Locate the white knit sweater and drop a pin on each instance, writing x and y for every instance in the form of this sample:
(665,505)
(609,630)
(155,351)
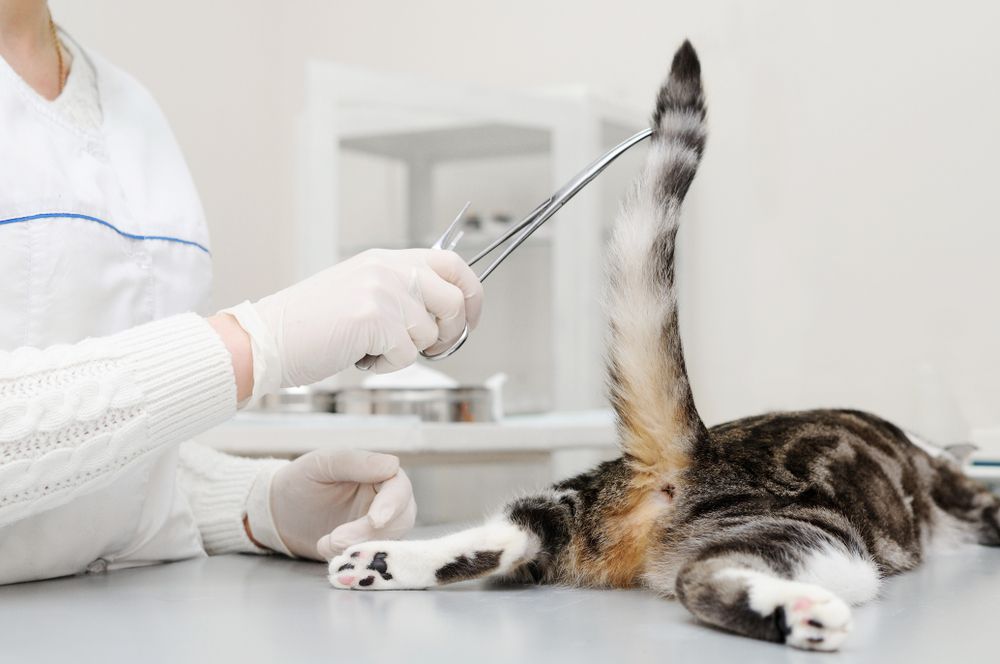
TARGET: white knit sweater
(72,417)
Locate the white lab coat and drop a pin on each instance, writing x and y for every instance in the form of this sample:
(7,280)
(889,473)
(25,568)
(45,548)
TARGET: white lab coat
(99,232)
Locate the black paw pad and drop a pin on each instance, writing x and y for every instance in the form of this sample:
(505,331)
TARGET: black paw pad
(345,566)
(367,581)
(781,623)
(379,565)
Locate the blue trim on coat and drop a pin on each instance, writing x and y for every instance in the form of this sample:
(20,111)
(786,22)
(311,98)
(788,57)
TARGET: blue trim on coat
(85,217)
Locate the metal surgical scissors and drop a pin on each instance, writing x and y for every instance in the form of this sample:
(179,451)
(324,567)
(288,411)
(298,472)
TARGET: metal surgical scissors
(520,231)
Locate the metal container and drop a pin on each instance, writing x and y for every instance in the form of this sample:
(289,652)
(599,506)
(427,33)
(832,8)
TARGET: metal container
(456,404)
(289,400)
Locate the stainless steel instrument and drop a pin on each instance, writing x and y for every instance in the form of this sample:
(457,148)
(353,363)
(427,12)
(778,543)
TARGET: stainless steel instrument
(522,230)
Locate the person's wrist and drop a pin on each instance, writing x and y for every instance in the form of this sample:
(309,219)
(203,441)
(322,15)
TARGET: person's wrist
(259,519)
(249,531)
(237,342)
(265,361)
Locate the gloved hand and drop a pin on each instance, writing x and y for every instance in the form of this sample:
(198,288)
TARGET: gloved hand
(325,501)
(392,304)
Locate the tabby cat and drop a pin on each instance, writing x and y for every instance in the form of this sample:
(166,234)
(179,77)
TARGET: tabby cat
(769,526)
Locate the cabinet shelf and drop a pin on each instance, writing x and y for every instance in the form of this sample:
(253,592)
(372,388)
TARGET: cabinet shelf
(474,141)
(467,246)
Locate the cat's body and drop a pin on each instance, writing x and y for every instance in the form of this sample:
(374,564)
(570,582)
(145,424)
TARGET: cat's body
(767,526)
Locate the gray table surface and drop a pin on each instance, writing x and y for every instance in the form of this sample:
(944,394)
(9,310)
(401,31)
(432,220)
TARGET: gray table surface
(256,609)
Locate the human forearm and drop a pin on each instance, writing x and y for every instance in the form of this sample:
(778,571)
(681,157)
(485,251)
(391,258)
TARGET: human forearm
(73,415)
(218,487)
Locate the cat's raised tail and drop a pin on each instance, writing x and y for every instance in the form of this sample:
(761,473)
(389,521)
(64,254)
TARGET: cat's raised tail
(657,418)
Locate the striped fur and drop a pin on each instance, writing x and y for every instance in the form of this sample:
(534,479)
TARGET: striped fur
(648,382)
(769,526)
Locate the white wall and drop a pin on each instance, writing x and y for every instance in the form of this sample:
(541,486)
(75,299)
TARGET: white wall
(846,215)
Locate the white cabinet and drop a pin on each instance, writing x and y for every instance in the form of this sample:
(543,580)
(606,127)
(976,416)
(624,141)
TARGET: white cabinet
(388,160)
(459,471)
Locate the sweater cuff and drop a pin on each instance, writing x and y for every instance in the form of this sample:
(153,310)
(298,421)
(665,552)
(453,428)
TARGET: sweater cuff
(185,373)
(259,515)
(218,486)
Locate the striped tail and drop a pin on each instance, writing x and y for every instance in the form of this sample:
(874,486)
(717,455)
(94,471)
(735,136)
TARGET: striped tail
(657,418)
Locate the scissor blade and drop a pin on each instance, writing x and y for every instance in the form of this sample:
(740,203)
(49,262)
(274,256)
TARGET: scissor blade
(509,233)
(584,177)
(541,214)
(446,241)
(523,230)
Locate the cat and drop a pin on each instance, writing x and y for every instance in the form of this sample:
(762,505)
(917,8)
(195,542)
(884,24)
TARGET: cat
(769,526)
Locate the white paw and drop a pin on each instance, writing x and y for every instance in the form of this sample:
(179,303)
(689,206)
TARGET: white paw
(810,616)
(816,619)
(363,567)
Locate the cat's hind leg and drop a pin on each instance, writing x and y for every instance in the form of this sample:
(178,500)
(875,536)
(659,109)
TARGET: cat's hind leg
(522,542)
(778,583)
(971,511)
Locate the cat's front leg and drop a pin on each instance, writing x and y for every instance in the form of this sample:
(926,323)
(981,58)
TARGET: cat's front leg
(494,548)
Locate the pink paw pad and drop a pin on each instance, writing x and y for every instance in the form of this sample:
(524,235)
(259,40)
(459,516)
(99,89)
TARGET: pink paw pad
(802,604)
(345,580)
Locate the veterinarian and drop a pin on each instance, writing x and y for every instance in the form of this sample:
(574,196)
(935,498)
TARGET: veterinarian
(102,235)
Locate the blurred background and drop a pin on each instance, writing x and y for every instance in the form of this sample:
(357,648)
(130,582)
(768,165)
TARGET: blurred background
(841,241)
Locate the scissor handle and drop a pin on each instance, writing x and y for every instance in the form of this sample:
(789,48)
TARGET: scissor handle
(368,361)
(448,240)
(445,353)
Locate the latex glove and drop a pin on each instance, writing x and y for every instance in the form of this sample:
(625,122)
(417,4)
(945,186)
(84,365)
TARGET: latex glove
(325,501)
(391,304)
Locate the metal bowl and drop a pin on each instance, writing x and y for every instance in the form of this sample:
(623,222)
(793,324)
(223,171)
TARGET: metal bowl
(288,400)
(456,404)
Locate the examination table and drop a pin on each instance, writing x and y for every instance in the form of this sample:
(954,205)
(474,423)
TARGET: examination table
(266,609)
